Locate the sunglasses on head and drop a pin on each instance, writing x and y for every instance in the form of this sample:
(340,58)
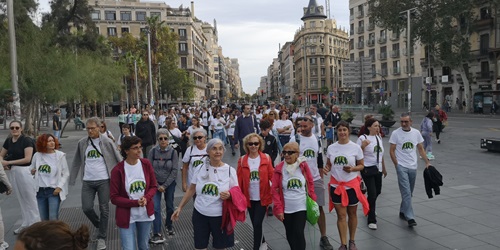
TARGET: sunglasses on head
(304,119)
(253,144)
(289,152)
(198,137)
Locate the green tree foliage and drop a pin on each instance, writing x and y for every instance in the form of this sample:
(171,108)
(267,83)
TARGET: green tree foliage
(444,27)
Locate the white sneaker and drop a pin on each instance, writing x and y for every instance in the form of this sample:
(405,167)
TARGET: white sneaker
(4,245)
(101,244)
(18,231)
(372,226)
(430,157)
(263,246)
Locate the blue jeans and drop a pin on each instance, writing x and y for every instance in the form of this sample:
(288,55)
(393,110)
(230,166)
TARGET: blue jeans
(48,203)
(219,133)
(57,134)
(427,142)
(136,236)
(406,182)
(169,201)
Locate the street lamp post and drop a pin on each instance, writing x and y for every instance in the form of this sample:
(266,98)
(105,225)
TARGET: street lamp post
(159,82)
(13,61)
(409,48)
(307,74)
(149,66)
(136,85)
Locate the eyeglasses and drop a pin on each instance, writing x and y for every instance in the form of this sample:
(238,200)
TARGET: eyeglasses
(198,137)
(162,138)
(289,152)
(15,128)
(253,143)
(145,115)
(405,121)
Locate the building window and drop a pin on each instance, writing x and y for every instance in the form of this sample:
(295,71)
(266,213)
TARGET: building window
(183,47)
(125,30)
(182,32)
(96,15)
(154,14)
(184,62)
(485,69)
(484,44)
(125,15)
(110,15)
(312,60)
(313,24)
(111,31)
(323,71)
(140,16)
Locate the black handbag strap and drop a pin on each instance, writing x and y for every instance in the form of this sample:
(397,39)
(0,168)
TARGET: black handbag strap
(378,149)
(93,145)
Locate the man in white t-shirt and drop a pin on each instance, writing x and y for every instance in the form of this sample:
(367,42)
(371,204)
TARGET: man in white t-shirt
(95,155)
(272,108)
(404,144)
(310,148)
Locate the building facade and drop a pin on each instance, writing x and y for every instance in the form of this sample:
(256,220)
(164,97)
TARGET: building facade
(388,53)
(319,48)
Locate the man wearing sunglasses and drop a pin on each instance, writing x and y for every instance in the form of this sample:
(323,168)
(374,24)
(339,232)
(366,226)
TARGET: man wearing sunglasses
(404,144)
(310,148)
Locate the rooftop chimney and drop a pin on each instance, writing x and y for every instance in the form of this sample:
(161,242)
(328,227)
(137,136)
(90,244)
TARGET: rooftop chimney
(192,10)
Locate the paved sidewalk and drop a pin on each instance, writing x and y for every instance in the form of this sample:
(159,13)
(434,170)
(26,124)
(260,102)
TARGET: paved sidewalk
(465,216)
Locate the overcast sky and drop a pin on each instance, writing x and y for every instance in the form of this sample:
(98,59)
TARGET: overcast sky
(251,30)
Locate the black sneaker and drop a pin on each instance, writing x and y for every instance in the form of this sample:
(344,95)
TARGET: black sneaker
(402,216)
(157,239)
(270,211)
(171,232)
(324,243)
(412,223)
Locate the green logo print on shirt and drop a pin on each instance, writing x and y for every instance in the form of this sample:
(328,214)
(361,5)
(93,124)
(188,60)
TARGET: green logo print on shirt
(210,189)
(309,153)
(197,163)
(137,186)
(294,183)
(408,145)
(93,154)
(377,149)
(254,176)
(340,160)
(44,169)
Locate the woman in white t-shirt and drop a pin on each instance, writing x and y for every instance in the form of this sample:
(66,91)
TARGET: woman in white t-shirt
(103,128)
(211,185)
(51,172)
(284,127)
(230,125)
(195,124)
(132,188)
(171,125)
(373,151)
(217,125)
(344,159)
(194,156)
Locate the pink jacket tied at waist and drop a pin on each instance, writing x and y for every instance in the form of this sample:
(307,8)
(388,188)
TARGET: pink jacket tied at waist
(233,210)
(342,192)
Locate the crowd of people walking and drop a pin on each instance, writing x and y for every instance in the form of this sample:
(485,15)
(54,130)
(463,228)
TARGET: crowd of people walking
(138,168)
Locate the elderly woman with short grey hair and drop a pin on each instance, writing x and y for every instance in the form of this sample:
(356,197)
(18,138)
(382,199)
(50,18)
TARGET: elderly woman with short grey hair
(211,185)
(165,163)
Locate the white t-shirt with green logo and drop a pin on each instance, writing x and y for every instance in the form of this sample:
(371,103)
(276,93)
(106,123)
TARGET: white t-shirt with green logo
(254,178)
(196,161)
(209,184)
(294,190)
(95,167)
(47,167)
(135,184)
(309,148)
(341,155)
(406,146)
(370,151)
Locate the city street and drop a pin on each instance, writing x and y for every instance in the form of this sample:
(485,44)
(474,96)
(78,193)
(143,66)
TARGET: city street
(464,216)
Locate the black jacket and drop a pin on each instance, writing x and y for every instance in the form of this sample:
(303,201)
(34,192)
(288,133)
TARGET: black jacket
(271,146)
(146,130)
(433,180)
(333,118)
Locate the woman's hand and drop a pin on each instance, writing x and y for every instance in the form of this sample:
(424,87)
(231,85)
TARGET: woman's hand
(9,192)
(348,169)
(225,195)
(161,189)
(175,215)
(5,165)
(365,143)
(142,201)
(384,172)
(33,171)
(57,191)
(281,217)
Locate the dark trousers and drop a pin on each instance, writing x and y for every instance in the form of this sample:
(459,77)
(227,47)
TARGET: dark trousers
(206,129)
(257,214)
(438,126)
(242,148)
(373,189)
(120,124)
(89,190)
(294,227)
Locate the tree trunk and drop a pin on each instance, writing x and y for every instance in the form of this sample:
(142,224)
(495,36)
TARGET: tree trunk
(29,127)
(467,93)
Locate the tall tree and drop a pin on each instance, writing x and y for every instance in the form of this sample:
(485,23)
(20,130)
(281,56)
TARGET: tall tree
(444,27)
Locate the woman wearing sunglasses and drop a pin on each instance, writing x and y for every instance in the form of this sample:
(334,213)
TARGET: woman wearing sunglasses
(193,158)
(165,162)
(15,156)
(103,129)
(254,174)
(292,180)
(344,161)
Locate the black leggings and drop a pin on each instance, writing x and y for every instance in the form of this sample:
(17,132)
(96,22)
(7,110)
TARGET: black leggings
(373,189)
(294,227)
(257,213)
